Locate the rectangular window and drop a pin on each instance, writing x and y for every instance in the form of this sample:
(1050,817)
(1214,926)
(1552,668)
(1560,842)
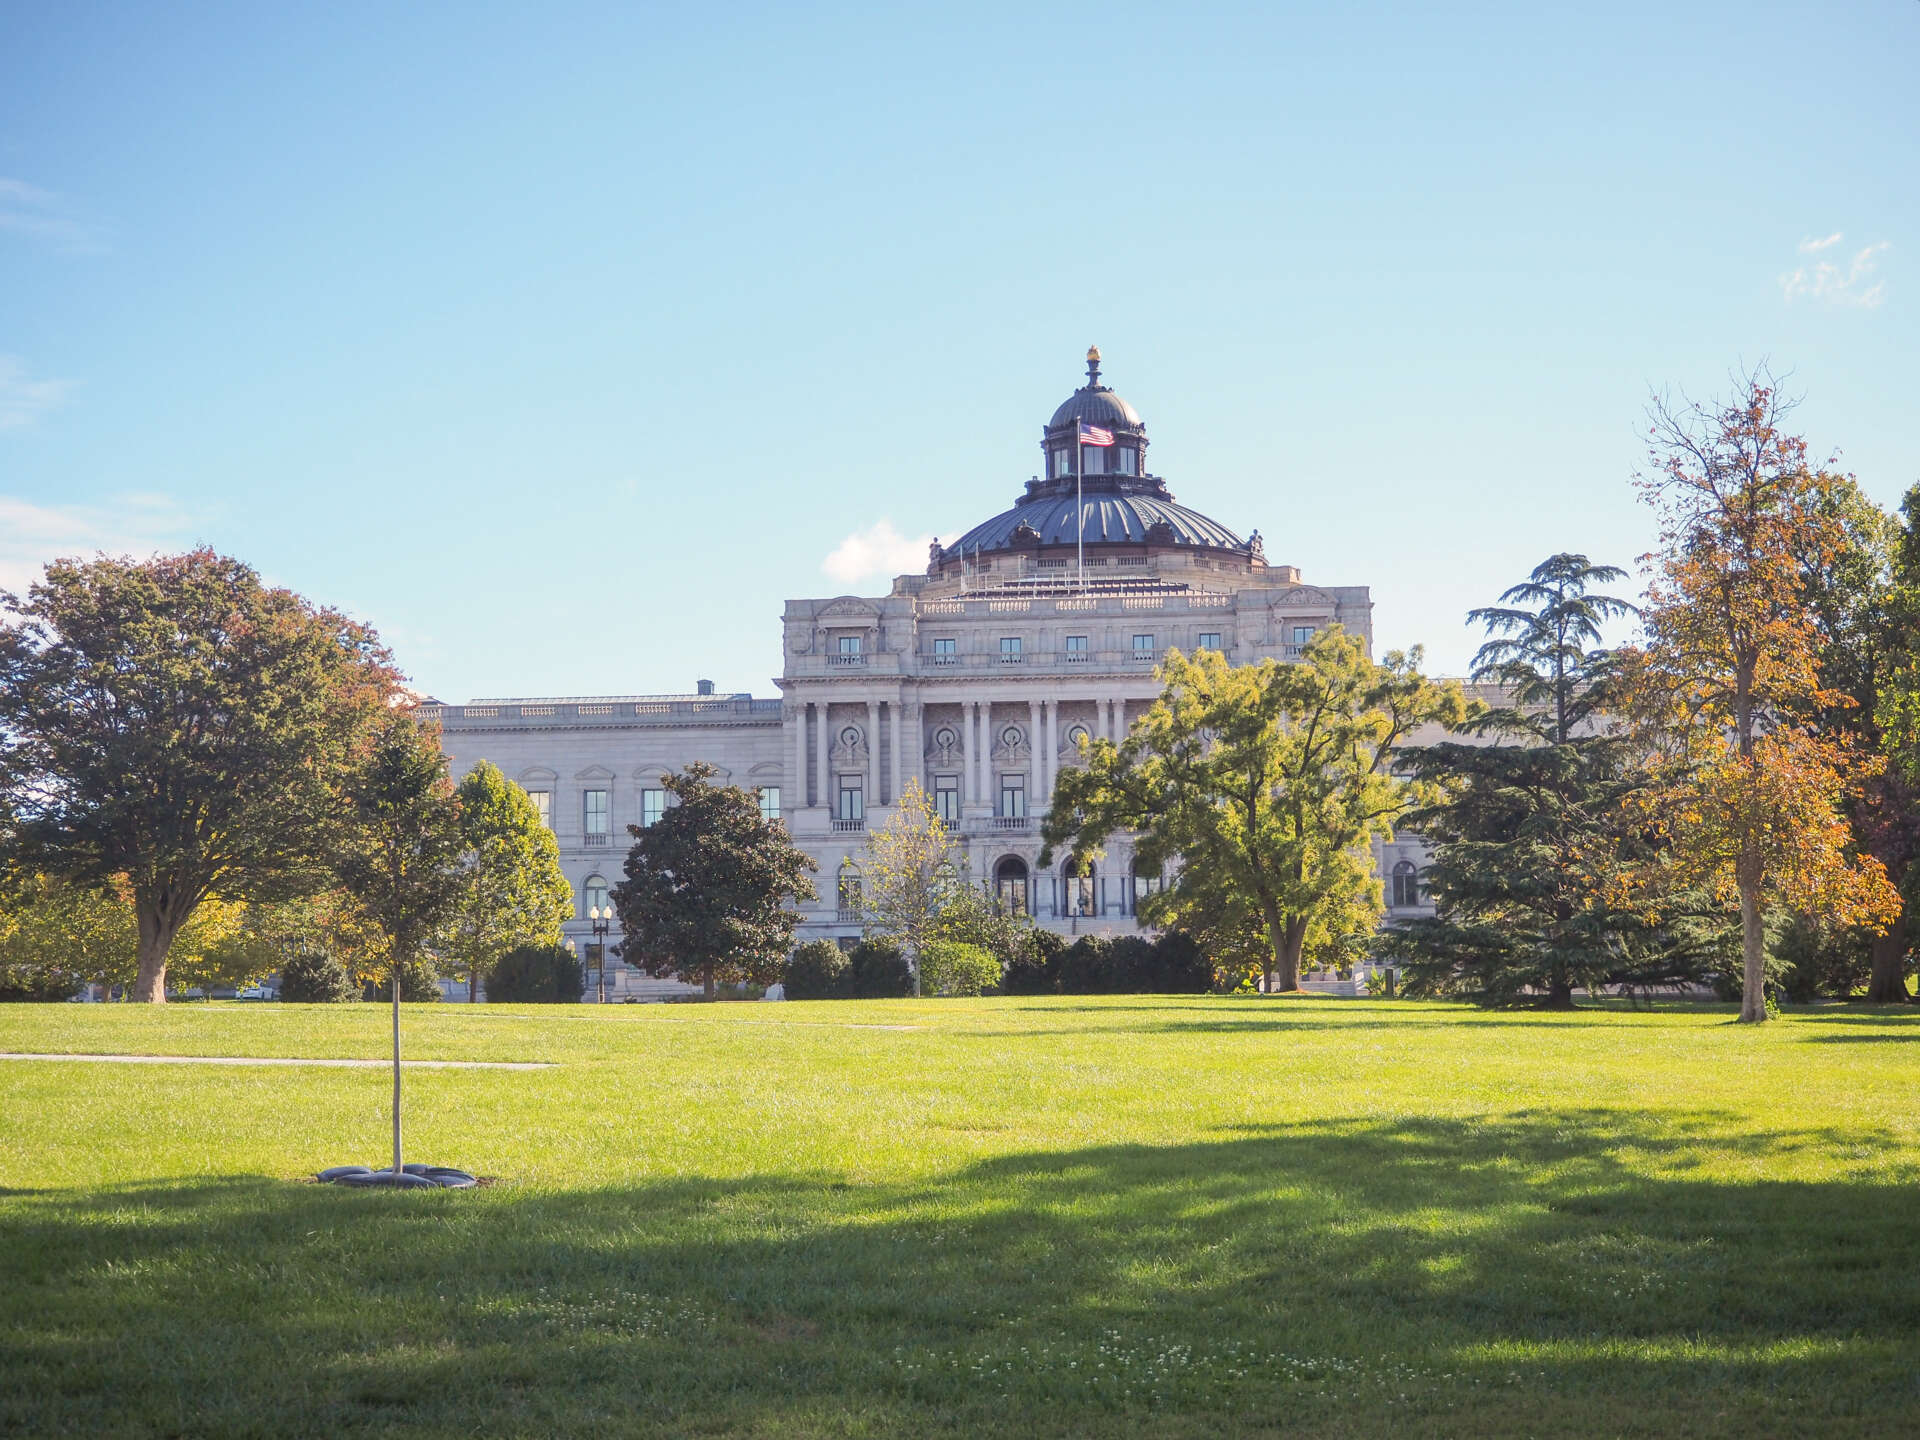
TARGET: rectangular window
(849,644)
(1009,644)
(852,802)
(945,651)
(946,797)
(1062,463)
(1302,634)
(1013,796)
(543,803)
(1125,459)
(1209,639)
(594,810)
(1142,645)
(1076,645)
(1096,457)
(653,804)
(769,802)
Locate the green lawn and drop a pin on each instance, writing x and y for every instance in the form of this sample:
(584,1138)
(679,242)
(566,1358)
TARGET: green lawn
(1182,1216)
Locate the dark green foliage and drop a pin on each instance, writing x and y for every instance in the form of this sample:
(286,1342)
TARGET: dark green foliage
(314,977)
(1173,964)
(1035,969)
(38,983)
(708,888)
(419,982)
(878,971)
(1530,841)
(818,970)
(537,975)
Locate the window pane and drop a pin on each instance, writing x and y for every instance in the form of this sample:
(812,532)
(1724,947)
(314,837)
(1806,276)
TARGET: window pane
(849,644)
(1209,639)
(1302,634)
(946,797)
(852,803)
(943,647)
(543,803)
(1013,796)
(653,804)
(1142,643)
(1076,644)
(769,803)
(596,812)
(1009,644)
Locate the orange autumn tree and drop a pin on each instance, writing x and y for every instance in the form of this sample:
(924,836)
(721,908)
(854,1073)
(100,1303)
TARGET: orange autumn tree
(1728,682)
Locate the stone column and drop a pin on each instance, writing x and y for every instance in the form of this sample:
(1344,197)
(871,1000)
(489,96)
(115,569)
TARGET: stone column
(893,723)
(873,752)
(1050,724)
(821,742)
(984,781)
(799,797)
(1034,753)
(969,749)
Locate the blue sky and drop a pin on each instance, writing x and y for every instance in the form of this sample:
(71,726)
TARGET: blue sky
(565,342)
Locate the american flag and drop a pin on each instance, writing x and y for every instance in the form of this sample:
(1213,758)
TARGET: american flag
(1094,435)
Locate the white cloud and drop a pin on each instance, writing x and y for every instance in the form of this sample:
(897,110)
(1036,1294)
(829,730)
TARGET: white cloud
(879,551)
(1858,283)
(31,535)
(22,401)
(42,215)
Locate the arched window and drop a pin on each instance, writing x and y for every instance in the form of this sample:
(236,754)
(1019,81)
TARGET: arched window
(1406,885)
(1081,892)
(849,890)
(1010,883)
(593,896)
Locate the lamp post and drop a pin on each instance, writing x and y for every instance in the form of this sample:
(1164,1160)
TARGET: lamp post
(601,918)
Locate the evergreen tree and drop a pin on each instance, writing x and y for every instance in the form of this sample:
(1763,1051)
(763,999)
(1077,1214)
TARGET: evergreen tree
(1528,845)
(708,887)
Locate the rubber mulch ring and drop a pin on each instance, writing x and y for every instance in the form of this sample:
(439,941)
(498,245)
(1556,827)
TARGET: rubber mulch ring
(411,1177)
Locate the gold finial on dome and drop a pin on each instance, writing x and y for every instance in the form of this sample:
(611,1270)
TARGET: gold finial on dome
(1093,365)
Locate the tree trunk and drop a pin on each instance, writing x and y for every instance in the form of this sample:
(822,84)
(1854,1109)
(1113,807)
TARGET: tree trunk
(1889,984)
(1559,994)
(156,939)
(706,977)
(1286,953)
(1753,943)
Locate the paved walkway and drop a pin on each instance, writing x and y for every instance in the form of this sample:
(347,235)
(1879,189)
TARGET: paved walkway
(251,1060)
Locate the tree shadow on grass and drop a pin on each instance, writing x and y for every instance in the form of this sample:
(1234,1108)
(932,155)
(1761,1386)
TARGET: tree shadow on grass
(1543,1273)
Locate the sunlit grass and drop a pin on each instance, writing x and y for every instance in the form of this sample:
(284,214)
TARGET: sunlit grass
(1133,1216)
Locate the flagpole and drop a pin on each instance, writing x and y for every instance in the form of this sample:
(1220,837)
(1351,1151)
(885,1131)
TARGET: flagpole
(1080,504)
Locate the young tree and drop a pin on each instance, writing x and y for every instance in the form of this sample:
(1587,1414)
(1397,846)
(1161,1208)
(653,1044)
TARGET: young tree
(402,857)
(178,723)
(1530,844)
(1730,676)
(709,885)
(910,876)
(1270,779)
(516,894)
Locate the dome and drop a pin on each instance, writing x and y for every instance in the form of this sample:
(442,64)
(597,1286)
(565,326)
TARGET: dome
(1110,519)
(1096,403)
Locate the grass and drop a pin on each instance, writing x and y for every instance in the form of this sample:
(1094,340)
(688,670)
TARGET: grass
(1167,1217)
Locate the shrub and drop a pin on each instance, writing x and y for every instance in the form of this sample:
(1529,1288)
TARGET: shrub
(950,968)
(879,971)
(418,982)
(315,977)
(38,982)
(1174,964)
(1034,967)
(818,970)
(536,975)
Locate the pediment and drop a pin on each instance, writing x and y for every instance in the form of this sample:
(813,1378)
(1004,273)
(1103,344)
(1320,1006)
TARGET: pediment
(536,775)
(594,772)
(1304,597)
(848,607)
(767,770)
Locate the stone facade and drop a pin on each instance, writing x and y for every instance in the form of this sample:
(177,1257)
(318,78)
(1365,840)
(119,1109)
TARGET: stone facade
(979,678)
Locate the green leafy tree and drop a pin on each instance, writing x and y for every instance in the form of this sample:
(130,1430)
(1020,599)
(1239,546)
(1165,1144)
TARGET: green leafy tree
(1531,848)
(948,967)
(56,937)
(516,894)
(818,971)
(709,887)
(910,876)
(1271,780)
(402,858)
(177,723)
(314,977)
